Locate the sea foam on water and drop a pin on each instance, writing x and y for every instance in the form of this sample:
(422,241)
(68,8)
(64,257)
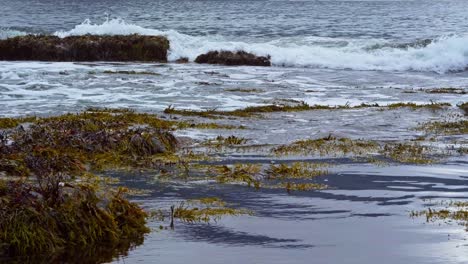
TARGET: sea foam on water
(442,55)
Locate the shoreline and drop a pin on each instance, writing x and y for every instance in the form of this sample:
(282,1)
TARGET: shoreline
(316,158)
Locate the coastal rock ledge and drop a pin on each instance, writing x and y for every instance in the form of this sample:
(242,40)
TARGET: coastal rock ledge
(231,58)
(85,48)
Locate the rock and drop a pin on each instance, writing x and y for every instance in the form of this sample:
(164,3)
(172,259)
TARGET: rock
(231,58)
(182,60)
(146,144)
(85,48)
(157,146)
(464,108)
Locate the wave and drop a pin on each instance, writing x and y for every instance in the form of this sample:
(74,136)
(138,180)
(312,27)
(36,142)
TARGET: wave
(9,33)
(442,55)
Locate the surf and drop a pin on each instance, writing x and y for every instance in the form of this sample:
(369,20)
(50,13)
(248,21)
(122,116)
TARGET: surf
(442,55)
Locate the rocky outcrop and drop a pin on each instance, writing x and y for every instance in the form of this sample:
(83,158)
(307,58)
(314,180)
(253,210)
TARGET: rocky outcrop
(182,60)
(85,48)
(464,107)
(233,58)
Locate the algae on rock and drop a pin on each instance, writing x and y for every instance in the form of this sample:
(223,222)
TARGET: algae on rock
(85,48)
(51,201)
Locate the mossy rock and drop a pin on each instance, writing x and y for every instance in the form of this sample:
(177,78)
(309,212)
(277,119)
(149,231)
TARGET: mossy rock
(58,203)
(82,217)
(233,58)
(464,107)
(85,48)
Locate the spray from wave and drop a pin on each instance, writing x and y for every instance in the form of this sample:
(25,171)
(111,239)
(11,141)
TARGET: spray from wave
(9,33)
(441,55)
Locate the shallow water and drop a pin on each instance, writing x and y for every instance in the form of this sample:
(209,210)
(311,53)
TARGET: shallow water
(363,218)
(52,88)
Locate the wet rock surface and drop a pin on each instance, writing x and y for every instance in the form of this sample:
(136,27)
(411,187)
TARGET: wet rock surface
(182,60)
(85,48)
(233,58)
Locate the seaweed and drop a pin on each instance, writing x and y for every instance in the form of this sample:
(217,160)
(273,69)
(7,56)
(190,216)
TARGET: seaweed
(453,211)
(414,106)
(328,146)
(244,173)
(244,90)
(132,72)
(297,170)
(446,127)
(50,167)
(284,176)
(293,186)
(464,107)
(52,201)
(80,216)
(7,123)
(227,141)
(246,112)
(233,58)
(209,201)
(407,153)
(205,212)
(446,91)
(331,146)
(85,48)
(297,106)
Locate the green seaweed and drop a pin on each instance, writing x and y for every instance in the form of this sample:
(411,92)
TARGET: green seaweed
(293,186)
(414,106)
(328,146)
(297,106)
(297,170)
(331,146)
(79,217)
(7,123)
(244,90)
(58,203)
(446,128)
(453,211)
(227,141)
(243,173)
(407,153)
(208,209)
(85,48)
(464,107)
(448,90)
(132,72)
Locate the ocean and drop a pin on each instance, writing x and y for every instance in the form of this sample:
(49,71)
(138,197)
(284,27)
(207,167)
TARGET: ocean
(334,53)
(337,44)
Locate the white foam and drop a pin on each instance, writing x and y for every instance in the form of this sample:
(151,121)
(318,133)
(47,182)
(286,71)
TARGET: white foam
(9,33)
(442,55)
(9,75)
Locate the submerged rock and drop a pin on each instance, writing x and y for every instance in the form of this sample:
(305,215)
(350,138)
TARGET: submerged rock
(231,58)
(182,60)
(85,48)
(464,107)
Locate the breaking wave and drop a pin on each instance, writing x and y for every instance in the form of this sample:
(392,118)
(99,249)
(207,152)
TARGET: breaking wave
(444,54)
(9,33)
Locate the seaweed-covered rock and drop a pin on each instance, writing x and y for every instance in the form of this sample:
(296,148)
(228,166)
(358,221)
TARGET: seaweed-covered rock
(464,107)
(146,144)
(85,48)
(233,58)
(182,60)
(58,205)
